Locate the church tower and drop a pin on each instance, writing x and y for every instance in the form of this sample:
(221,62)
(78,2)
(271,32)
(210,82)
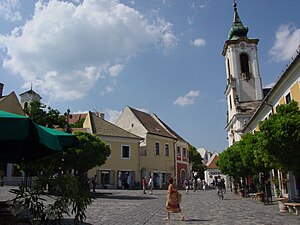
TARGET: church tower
(244,89)
(29,96)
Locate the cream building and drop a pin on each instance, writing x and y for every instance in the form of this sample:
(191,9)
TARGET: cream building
(122,167)
(160,148)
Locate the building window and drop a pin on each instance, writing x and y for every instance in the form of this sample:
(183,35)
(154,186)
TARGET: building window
(230,103)
(228,69)
(244,60)
(157,148)
(167,150)
(25,105)
(288,98)
(125,152)
(178,151)
(105,177)
(184,152)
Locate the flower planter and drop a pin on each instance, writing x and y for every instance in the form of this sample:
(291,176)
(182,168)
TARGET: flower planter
(242,193)
(260,197)
(282,206)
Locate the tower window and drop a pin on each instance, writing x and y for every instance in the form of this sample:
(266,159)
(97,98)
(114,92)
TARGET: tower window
(244,60)
(288,98)
(25,105)
(228,70)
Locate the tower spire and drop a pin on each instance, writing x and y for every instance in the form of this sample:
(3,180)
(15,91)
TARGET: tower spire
(237,29)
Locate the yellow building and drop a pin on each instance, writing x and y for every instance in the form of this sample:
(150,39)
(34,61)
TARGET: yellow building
(10,102)
(122,168)
(157,155)
(287,88)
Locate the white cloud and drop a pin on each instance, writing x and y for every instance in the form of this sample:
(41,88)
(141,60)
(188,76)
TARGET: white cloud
(199,42)
(188,99)
(270,85)
(65,48)
(115,70)
(112,115)
(286,43)
(109,88)
(9,10)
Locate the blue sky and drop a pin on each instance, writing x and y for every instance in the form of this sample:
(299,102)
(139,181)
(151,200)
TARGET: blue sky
(159,56)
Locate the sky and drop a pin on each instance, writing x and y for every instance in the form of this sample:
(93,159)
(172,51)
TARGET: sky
(158,56)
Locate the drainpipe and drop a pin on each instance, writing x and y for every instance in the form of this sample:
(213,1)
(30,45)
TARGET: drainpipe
(175,163)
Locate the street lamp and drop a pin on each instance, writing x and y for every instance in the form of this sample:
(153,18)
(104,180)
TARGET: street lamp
(68,117)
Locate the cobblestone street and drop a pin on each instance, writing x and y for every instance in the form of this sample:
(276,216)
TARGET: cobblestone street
(127,207)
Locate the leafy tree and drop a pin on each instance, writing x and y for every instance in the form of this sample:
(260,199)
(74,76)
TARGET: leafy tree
(78,124)
(55,170)
(88,153)
(45,116)
(196,160)
(281,137)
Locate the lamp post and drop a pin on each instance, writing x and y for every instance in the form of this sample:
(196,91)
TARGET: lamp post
(68,117)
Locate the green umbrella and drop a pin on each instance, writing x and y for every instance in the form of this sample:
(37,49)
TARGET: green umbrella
(23,140)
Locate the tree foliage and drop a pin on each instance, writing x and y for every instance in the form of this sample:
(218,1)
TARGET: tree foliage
(70,188)
(275,145)
(45,116)
(281,135)
(88,153)
(196,160)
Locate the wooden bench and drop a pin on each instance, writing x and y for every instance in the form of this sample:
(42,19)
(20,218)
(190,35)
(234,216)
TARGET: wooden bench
(293,207)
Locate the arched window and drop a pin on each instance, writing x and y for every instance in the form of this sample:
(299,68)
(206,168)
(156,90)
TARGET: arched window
(182,175)
(25,105)
(245,70)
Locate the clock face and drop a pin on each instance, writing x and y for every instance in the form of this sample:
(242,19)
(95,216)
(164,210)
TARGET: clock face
(243,45)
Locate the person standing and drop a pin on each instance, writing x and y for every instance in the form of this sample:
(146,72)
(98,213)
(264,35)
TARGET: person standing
(194,184)
(172,203)
(186,185)
(150,185)
(144,184)
(94,182)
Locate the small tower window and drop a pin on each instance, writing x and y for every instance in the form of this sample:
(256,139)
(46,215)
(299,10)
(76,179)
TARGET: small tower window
(25,105)
(228,70)
(244,60)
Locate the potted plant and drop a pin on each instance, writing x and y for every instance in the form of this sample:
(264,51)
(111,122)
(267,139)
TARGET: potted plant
(280,199)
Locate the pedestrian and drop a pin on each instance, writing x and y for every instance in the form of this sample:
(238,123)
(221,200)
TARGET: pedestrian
(144,185)
(150,185)
(186,185)
(172,203)
(94,182)
(194,184)
(203,184)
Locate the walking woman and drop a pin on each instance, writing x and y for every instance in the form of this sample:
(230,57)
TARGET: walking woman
(172,204)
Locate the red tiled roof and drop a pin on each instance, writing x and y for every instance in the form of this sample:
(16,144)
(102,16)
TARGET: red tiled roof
(76,117)
(213,163)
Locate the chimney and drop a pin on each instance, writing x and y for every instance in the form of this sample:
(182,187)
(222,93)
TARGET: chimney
(1,89)
(101,115)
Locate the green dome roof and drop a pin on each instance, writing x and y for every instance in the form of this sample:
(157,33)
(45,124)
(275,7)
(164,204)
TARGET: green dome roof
(237,29)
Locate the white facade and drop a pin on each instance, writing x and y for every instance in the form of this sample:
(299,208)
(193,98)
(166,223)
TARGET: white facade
(244,88)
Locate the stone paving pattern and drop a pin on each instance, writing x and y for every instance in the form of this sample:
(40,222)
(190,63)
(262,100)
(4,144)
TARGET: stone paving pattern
(132,207)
